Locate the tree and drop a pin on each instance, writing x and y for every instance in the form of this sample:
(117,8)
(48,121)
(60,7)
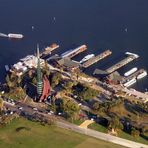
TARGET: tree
(87,93)
(46,70)
(115,124)
(56,78)
(70,108)
(134,132)
(1,103)
(68,86)
(96,106)
(34,81)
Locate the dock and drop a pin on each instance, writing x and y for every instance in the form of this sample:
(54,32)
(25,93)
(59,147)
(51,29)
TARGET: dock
(49,49)
(73,52)
(96,58)
(120,64)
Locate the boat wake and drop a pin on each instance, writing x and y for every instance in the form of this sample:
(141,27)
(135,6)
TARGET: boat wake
(3,35)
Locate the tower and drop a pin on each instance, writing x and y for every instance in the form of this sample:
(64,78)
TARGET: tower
(39,74)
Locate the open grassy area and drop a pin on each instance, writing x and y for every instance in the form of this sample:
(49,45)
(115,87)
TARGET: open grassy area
(98,127)
(77,122)
(22,133)
(122,134)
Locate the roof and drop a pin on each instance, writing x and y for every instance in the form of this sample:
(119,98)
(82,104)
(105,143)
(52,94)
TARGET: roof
(67,62)
(115,76)
(99,72)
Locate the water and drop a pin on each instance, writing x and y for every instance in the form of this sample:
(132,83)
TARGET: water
(101,24)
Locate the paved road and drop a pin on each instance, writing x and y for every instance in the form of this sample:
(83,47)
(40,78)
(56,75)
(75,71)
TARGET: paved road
(100,135)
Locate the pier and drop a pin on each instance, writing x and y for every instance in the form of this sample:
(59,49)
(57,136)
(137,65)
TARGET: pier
(49,49)
(96,58)
(73,52)
(121,63)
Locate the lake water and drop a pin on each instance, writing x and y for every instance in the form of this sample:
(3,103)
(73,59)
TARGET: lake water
(100,24)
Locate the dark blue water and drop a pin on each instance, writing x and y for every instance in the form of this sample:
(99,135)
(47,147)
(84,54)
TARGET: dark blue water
(98,23)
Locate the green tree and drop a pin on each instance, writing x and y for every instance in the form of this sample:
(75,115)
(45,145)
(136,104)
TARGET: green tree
(56,78)
(68,86)
(46,69)
(96,106)
(70,108)
(134,132)
(115,124)
(87,93)
(1,103)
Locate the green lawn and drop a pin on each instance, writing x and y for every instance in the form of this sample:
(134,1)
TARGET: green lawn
(122,134)
(33,135)
(98,127)
(77,122)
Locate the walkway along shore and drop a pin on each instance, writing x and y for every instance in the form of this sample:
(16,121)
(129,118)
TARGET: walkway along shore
(99,135)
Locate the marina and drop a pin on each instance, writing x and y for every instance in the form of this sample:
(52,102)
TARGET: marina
(96,58)
(122,63)
(130,80)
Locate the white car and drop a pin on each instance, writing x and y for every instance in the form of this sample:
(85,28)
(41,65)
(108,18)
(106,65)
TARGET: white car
(35,109)
(59,113)
(80,104)
(20,108)
(11,112)
(51,112)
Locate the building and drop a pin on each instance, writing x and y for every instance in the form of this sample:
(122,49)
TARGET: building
(43,84)
(68,64)
(39,75)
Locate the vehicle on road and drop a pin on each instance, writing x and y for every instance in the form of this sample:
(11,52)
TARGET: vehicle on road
(35,109)
(20,108)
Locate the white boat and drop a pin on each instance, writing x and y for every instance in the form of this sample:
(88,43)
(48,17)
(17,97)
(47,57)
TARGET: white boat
(142,75)
(132,54)
(7,67)
(16,36)
(130,82)
(130,71)
(89,56)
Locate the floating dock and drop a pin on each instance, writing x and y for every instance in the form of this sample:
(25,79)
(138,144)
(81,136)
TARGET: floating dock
(122,63)
(49,49)
(96,58)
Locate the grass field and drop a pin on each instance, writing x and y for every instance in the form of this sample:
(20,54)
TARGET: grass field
(22,133)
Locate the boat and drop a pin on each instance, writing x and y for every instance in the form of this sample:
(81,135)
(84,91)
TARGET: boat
(130,82)
(132,54)
(142,75)
(130,71)
(89,56)
(7,67)
(15,36)
(73,52)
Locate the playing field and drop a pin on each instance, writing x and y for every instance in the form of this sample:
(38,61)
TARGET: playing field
(22,133)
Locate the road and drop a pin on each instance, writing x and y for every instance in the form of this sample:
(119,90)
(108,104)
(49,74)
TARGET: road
(100,135)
